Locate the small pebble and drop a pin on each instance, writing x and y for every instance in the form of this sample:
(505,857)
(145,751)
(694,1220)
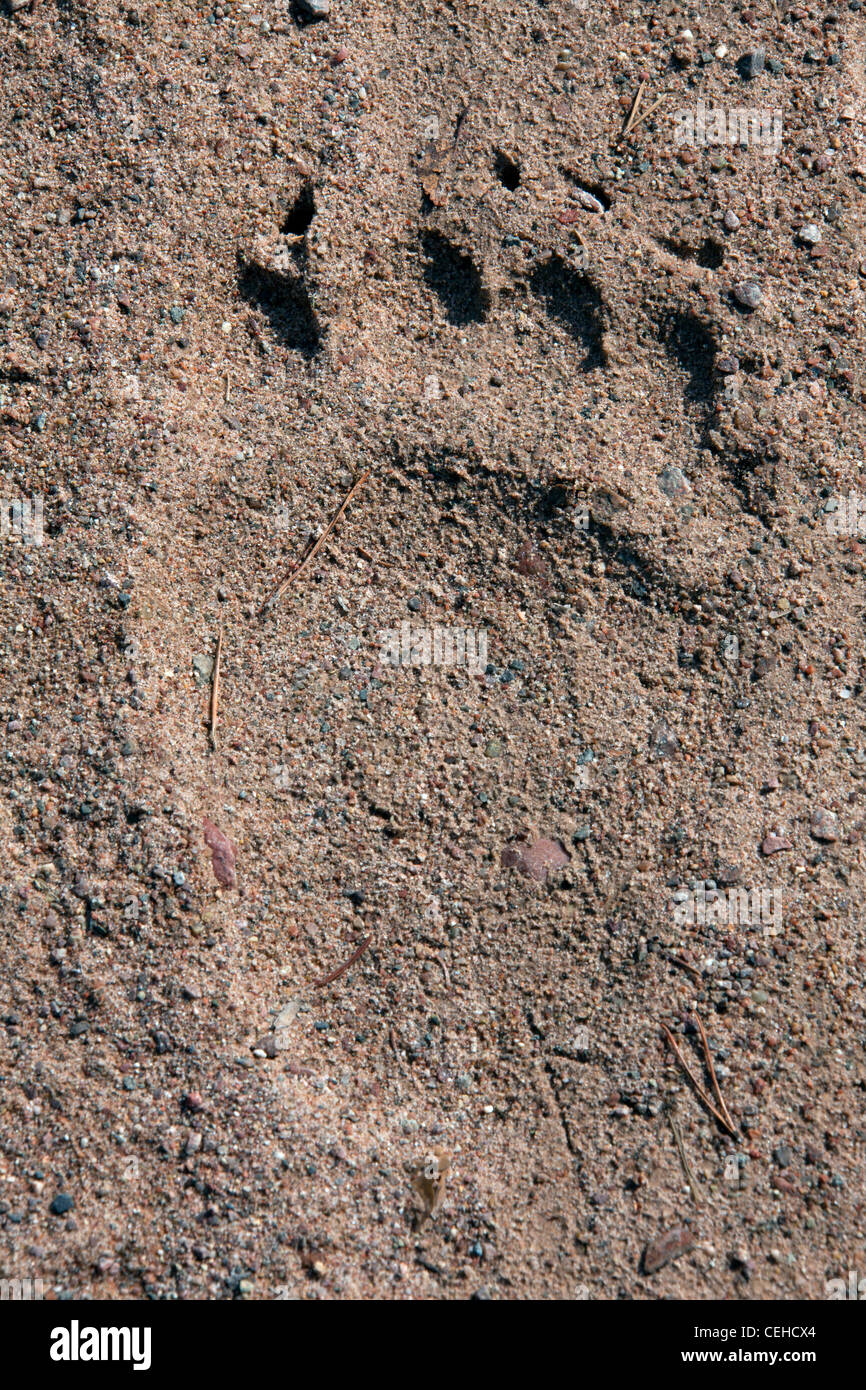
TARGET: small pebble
(748,294)
(666,1247)
(536,860)
(825,825)
(774,844)
(673,482)
(752,64)
(202,666)
(810,235)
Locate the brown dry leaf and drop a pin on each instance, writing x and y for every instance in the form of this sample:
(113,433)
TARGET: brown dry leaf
(223,854)
(429,1179)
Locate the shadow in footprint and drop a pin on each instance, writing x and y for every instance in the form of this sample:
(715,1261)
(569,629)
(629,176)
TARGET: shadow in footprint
(691,345)
(710,254)
(284,301)
(751,474)
(455,279)
(301,213)
(587,185)
(507,170)
(573,299)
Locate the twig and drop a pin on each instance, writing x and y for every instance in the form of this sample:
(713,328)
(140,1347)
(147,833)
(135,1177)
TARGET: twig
(215,690)
(725,1122)
(683,964)
(632,111)
(645,115)
(697,1191)
(228,386)
(341,969)
(711,1069)
(461,121)
(294,573)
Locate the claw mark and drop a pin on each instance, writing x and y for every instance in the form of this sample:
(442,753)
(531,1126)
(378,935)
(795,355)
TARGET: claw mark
(583,185)
(507,170)
(301,213)
(709,255)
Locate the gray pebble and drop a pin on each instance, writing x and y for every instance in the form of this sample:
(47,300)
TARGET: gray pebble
(748,294)
(673,482)
(810,235)
(202,666)
(824,825)
(751,64)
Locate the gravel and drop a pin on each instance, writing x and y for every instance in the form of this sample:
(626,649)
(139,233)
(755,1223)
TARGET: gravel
(635,520)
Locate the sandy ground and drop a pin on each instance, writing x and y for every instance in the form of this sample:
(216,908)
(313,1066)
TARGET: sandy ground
(607,393)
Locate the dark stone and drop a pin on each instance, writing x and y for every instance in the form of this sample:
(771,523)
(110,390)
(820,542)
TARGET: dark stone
(752,64)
